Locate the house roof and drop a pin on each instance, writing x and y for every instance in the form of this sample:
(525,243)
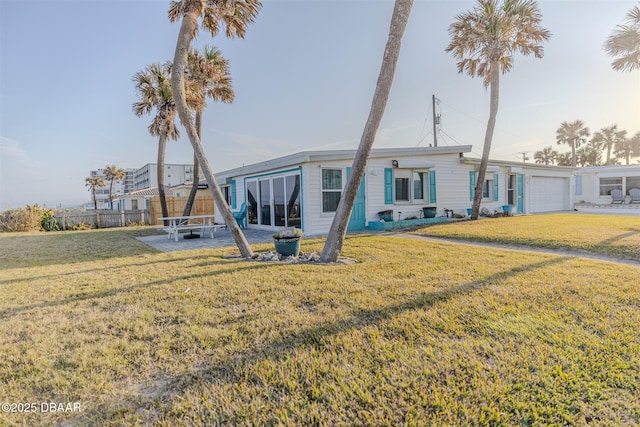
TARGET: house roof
(188,184)
(148,192)
(329,155)
(476,161)
(612,168)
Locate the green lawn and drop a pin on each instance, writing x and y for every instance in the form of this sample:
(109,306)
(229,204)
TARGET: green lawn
(415,333)
(604,234)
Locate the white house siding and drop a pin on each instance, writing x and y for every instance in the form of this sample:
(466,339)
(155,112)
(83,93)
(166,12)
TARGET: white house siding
(545,188)
(590,177)
(314,220)
(452,187)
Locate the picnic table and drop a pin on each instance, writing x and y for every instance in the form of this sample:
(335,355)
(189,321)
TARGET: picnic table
(191,223)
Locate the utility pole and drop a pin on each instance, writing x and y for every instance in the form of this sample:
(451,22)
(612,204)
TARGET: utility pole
(435,135)
(524,156)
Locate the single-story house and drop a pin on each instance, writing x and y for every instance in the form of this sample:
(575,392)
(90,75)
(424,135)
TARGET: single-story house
(595,183)
(139,199)
(303,189)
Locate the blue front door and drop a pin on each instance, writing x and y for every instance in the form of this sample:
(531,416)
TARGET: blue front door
(358,213)
(520,193)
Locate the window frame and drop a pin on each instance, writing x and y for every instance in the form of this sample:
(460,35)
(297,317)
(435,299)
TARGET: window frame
(632,182)
(324,190)
(408,174)
(609,186)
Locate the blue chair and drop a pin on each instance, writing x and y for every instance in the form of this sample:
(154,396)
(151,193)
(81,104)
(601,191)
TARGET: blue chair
(241,215)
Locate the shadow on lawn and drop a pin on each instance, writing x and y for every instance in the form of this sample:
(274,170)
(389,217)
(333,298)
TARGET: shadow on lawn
(233,369)
(4,314)
(214,260)
(610,240)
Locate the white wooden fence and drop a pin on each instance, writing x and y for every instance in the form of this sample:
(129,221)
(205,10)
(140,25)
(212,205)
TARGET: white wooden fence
(103,218)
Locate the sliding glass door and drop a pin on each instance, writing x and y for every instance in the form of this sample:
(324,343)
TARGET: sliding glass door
(275,200)
(293,212)
(265,202)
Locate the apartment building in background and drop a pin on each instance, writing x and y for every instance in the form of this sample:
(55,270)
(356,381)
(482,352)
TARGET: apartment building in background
(174,174)
(140,179)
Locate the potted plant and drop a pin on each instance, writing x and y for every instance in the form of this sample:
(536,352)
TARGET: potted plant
(287,241)
(429,211)
(386,215)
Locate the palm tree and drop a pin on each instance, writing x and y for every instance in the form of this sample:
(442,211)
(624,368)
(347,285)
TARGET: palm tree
(565,159)
(634,143)
(546,156)
(234,15)
(210,75)
(335,238)
(573,134)
(94,182)
(112,173)
(485,41)
(609,138)
(153,86)
(628,148)
(588,155)
(624,43)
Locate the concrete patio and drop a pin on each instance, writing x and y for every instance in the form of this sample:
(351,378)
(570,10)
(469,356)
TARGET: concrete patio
(222,238)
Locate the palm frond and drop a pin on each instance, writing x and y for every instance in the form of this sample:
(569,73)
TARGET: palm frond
(624,43)
(233,15)
(492,32)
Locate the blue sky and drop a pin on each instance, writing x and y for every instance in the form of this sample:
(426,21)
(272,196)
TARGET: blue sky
(304,78)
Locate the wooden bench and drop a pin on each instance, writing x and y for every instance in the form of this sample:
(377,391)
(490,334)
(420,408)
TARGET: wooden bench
(197,222)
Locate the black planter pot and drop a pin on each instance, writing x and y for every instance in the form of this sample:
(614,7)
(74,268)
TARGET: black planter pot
(429,212)
(288,246)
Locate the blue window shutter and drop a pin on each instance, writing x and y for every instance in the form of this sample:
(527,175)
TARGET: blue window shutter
(388,186)
(472,184)
(578,185)
(233,194)
(432,186)
(495,186)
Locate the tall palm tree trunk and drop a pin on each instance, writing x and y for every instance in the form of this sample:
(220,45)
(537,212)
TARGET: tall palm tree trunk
(162,145)
(95,198)
(188,28)
(196,171)
(491,124)
(111,194)
(335,239)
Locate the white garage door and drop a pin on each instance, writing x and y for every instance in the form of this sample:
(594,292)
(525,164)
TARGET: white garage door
(549,194)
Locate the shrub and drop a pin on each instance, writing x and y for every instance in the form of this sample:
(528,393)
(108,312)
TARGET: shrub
(28,218)
(80,226)
(49,222)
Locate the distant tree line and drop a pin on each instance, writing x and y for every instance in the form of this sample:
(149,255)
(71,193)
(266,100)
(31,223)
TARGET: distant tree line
(608,146)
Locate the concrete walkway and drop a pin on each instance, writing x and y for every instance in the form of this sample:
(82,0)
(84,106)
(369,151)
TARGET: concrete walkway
(574,253)
(221,239)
